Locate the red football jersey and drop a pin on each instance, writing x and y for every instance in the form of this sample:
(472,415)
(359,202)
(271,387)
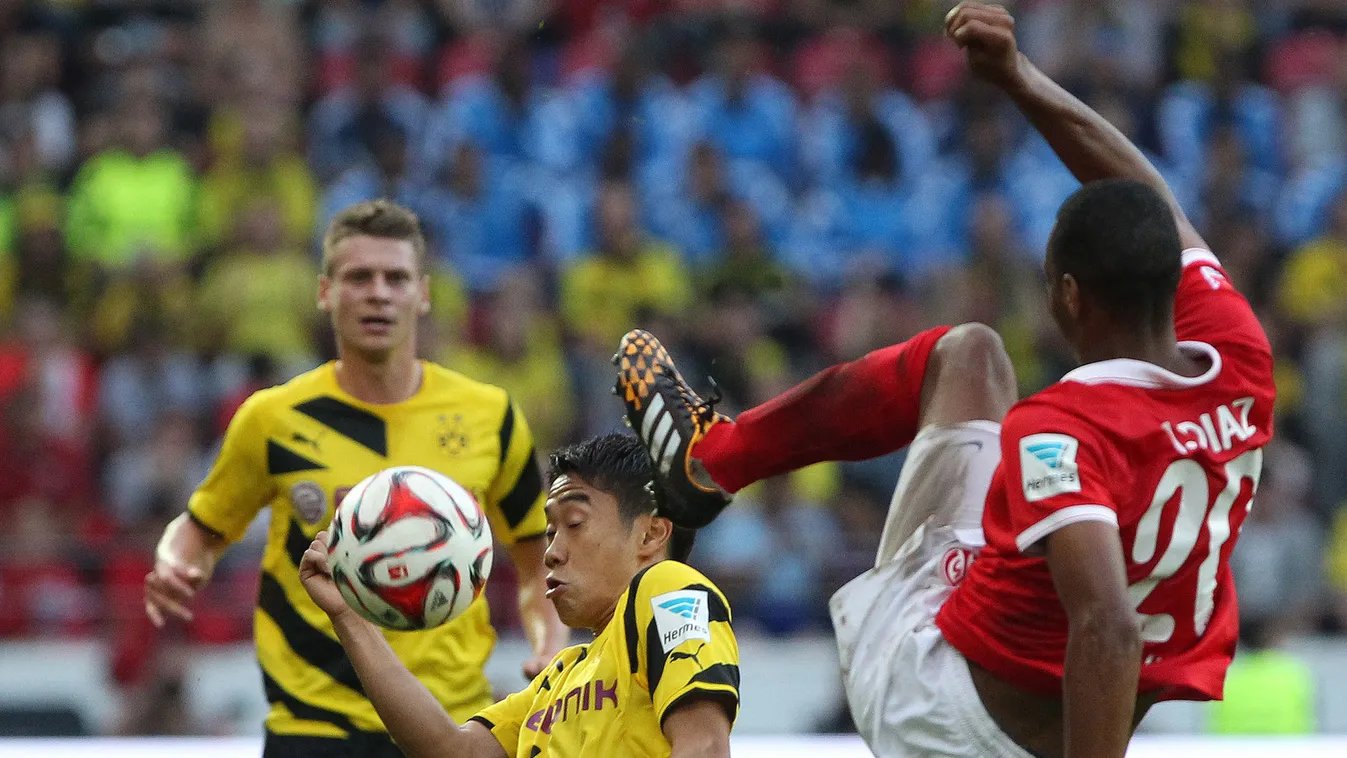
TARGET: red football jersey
(1173,461)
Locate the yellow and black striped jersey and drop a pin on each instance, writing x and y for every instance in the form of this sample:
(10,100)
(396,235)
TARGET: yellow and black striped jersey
(669,642)
(299,448)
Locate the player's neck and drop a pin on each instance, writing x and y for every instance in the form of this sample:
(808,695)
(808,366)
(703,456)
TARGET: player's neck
(379,383)
(1159,347)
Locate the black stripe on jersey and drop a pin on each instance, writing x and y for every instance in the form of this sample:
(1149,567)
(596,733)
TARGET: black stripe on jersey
(715,607)
(296,543)
(720,673)
(506,429)
(209,529)
(516,504)
(629,622)
(302,710)
(483,721)
(317,649)
(726,700)
(535,751)
(283,460)
(349,421)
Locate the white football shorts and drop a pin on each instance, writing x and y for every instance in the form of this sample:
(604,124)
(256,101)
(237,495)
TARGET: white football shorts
(910,692)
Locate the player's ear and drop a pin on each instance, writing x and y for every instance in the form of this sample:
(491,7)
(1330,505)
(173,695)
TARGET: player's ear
(424,307)
(324,289)
(1071,295)
(655,542)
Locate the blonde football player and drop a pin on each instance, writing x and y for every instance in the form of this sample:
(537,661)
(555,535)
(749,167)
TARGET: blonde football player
(299,447)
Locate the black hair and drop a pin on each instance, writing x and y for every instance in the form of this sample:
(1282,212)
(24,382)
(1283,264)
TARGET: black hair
(619,465)
(1119,240)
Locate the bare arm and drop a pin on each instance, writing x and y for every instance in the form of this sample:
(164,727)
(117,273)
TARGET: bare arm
(545,632)
(415,719)
(1085,142)
(183,562)
(700,729)
(1103,649)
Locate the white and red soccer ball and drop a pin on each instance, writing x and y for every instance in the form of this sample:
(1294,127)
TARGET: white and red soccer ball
(409,548)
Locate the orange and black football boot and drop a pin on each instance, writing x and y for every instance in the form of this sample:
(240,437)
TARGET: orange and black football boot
(669,418)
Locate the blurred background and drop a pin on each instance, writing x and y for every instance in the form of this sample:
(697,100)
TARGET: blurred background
(770,185)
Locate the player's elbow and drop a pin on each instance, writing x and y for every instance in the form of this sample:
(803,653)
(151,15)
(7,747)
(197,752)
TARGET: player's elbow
(710,744)
(1109,631)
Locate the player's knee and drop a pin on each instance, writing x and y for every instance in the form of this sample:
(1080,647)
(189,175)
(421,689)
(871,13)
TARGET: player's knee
(973,354)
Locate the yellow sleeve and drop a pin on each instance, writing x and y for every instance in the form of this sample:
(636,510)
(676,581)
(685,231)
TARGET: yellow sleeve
(506,718)
(514,503)
(239,484)
(685,645)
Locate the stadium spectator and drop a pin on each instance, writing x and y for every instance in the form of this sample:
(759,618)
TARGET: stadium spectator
(520,349)
(479,217)
(347,123)
(257,298)
(629,274)
(266,164)
(134,200)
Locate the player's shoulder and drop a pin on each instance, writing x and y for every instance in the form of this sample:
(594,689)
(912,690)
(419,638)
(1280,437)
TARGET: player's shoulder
(449,382)
(1060,405)
(677,588)
(271,400)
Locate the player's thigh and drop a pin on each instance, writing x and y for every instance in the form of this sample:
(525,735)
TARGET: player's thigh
(943,486)
(969,378)
(930,708)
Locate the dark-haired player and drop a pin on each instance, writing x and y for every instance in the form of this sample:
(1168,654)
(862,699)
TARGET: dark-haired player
(661,678)
(1047,571)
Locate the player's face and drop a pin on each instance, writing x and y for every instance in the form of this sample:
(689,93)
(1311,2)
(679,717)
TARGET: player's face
(591,554)
(374,295)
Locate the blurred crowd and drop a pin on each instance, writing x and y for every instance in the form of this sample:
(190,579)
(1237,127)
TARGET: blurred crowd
(771,185)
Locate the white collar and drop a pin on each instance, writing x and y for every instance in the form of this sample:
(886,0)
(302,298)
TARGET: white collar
(1135,373)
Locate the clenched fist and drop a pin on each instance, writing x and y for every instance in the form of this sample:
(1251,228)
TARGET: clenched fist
(316,576)
(987,35)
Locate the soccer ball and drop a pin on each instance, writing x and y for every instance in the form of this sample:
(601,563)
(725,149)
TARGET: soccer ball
(409,548)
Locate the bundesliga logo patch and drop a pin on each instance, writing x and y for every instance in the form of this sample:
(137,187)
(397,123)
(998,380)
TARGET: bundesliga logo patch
(681,616)
(1048,466)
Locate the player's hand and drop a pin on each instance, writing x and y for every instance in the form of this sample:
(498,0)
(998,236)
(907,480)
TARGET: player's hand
(171,587)
(986,33)
(316,577)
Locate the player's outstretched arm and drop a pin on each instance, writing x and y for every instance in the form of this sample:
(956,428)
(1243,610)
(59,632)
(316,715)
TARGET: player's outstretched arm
(1103,648)
(415,719)
(1087,143)
(700,729)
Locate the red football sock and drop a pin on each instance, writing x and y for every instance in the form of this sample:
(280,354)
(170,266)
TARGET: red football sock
(849,412)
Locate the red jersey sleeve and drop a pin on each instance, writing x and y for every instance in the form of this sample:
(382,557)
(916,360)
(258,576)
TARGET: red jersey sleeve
(1208,308)
(1054,473)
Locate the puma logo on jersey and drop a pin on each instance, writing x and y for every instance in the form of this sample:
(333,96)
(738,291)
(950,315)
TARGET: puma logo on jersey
(1048,465)
(1215,430)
